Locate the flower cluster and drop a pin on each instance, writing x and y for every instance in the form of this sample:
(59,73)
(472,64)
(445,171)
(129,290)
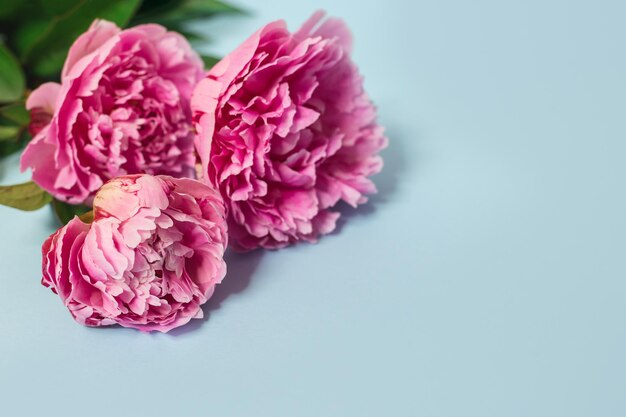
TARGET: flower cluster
(176,162)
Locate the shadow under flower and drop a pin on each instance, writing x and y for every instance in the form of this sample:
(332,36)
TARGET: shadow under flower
(241,267)
(394,157)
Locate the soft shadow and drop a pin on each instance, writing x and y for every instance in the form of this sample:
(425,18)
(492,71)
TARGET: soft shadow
(241,267)
(395,159)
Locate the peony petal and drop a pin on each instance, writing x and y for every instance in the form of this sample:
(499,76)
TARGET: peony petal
(44,97)
(98,33)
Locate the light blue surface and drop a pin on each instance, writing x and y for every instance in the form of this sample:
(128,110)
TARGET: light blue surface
(486,279)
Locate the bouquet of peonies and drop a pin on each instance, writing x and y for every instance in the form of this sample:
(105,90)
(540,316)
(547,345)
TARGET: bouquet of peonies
(155,159)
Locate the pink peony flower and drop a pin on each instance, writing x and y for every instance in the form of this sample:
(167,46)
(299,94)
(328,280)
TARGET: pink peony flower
(122,108)
(286,131)
(151,257)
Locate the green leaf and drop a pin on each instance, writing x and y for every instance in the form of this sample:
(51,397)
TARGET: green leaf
(27,196)
(207,8)
(66,212)
(57,7)
(9,133)
(8,8)
(50,67)
(13,128)
(11,77)
(16,113)
(63,30)
(8,147)
(150,11)
(86,217)
(209,61)
(27,33)
(170,12)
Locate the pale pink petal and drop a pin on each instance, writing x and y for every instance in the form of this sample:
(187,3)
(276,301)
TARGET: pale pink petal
(98,33)
(44,97)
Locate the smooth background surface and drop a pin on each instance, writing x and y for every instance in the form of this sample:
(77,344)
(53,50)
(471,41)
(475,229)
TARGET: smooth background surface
(486,279)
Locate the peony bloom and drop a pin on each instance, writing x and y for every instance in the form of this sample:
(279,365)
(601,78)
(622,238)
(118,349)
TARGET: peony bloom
(151,257)
(286,131)
(122,108)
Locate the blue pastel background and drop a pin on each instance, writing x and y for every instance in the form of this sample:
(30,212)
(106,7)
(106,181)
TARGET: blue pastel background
(487,278)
